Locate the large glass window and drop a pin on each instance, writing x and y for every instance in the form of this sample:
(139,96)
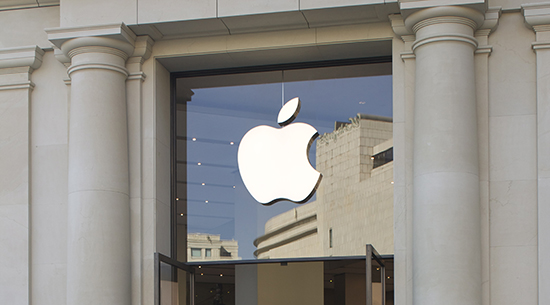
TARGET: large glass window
(349,106)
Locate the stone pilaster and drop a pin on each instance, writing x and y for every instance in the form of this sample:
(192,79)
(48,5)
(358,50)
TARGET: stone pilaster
(403,124)
(537,16)
(446,235)
(16,66)
(99,234)
(134,98)
(481,59)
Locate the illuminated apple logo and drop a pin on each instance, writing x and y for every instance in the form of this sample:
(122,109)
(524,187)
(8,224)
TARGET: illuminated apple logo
(274,162)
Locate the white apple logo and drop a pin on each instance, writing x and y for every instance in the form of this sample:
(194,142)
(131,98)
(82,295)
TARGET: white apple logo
(274,162)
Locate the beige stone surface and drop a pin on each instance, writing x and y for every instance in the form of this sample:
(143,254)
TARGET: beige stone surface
(149,11)
(15,184)
(84,13)
(26,27)
(315,4)
(511,126)
(243,7)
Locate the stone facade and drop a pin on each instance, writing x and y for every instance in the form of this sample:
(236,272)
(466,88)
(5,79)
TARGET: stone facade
(354,204)
(85,136)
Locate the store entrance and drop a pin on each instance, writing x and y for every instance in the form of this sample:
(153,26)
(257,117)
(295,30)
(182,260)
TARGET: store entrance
(352,280)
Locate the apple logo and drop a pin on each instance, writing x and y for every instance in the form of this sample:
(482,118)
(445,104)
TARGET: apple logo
(274,162)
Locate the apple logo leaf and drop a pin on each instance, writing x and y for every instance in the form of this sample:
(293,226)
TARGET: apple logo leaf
(289,112)
(274,162)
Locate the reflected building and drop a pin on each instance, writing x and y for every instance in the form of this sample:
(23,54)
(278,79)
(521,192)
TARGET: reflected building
(210,247)
(354,204)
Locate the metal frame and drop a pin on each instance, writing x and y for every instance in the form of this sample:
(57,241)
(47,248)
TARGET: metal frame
(288,66)
(161,258)
(373,254)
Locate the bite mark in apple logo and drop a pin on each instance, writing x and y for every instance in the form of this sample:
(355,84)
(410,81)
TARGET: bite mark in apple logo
(274,162)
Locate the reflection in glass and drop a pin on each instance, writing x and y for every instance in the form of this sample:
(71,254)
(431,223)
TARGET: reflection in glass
(174,285)
(331,281)
(353,116)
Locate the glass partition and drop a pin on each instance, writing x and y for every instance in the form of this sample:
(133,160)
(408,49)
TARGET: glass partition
(335,281)
(173,282)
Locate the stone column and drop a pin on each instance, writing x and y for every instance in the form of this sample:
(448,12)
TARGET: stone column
(537,16)
(98,242)
(446,210)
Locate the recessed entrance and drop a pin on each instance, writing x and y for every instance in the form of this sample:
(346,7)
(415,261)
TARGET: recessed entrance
(231,245)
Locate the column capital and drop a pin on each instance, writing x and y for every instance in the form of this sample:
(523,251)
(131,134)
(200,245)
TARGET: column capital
(142,51)
(16,65)
(444,14)
(21,57)
(537,17)
(398,25)
(116,36)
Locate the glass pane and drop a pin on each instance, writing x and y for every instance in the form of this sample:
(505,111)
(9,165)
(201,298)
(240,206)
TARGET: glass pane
(174,285)
(195,252)
(329,282)
(349,107)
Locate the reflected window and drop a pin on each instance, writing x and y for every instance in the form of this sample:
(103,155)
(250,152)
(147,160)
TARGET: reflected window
(330,238)
(224,252)
(382,158)
(195,252)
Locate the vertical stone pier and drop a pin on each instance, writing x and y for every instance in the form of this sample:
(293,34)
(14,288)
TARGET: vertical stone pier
(446,210)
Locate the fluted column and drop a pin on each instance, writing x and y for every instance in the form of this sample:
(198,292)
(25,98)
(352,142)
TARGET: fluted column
(446,210)
(98,242)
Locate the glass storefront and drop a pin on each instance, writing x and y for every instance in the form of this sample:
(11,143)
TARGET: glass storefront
(220,228)
(320,281)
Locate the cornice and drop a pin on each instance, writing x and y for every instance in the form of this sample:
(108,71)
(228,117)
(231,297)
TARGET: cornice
(24,4)
(21,57)
(536,14)
(117,36)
